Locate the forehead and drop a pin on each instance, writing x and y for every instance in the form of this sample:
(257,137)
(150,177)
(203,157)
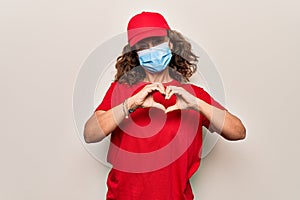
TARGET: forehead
(151,39)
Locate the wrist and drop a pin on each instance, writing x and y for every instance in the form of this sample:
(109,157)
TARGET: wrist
(131,103)
(198,105)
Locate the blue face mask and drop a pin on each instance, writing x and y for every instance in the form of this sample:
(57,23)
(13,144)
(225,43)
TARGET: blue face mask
(155,59)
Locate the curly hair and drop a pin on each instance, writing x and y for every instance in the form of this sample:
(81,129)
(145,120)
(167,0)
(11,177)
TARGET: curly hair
(182,66)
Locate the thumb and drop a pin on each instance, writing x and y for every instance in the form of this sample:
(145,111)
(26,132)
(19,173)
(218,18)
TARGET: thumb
(171,108)
(159,106)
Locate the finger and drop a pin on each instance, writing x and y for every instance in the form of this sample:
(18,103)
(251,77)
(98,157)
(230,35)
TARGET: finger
(170,94)
(161,87)
(173,87)
(176,90)
(156,86)
(171,108)
(159,106)
(168,90)
(153,88)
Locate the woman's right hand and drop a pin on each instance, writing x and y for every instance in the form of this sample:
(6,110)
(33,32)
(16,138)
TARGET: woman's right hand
(144,97)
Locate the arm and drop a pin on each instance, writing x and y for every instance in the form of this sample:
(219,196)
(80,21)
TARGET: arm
(226,124)
(102,123)
(223,122)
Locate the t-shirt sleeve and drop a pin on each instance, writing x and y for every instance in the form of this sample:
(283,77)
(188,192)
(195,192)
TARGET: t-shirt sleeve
(107,101)
(202,94)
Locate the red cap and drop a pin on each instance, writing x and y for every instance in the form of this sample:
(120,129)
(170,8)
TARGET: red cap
(146,24)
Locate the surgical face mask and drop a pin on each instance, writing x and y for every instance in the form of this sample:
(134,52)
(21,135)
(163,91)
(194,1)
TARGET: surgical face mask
(155,59)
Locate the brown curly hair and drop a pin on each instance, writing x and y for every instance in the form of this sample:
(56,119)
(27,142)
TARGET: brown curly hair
(182,66)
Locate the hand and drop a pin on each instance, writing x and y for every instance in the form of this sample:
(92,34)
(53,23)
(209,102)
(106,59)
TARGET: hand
(185,100)
(144,97)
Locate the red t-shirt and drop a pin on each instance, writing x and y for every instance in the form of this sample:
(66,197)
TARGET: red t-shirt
(154,154)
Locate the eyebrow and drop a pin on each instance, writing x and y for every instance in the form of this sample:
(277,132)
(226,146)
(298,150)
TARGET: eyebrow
(152,39)
(146,40)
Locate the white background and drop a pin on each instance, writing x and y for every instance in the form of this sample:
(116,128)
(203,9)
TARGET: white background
(255,45)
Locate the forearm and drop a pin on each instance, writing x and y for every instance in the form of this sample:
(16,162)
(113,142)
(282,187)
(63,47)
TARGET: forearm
(223,122)
(102,123)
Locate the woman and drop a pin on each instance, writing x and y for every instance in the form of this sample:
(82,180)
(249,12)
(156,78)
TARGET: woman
(155,116)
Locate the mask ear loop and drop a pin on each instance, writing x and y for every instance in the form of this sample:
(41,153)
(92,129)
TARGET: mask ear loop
(170,44)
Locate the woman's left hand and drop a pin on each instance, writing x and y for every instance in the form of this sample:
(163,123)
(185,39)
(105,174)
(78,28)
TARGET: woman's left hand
(185,100)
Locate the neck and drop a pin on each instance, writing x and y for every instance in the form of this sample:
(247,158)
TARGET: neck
(161,77)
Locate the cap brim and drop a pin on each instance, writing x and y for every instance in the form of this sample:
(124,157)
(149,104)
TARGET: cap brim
(142,34)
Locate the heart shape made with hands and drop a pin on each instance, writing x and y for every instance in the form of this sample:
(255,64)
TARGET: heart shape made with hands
(160,98)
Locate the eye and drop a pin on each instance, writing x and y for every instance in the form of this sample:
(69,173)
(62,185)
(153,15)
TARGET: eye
(142,47)
(158,41)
